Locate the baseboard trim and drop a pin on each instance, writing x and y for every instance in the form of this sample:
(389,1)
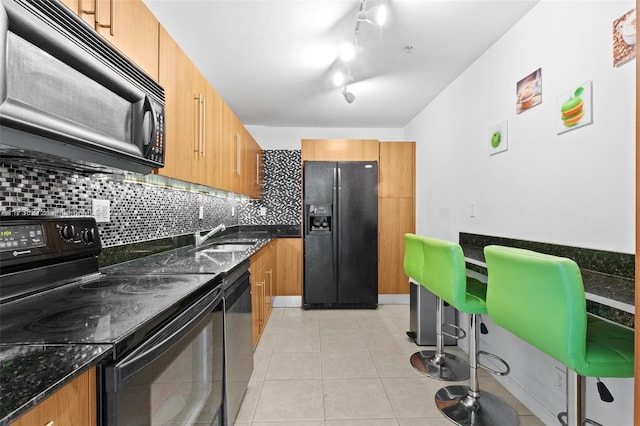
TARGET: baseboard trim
(286,301)
(393,299)
(296,301)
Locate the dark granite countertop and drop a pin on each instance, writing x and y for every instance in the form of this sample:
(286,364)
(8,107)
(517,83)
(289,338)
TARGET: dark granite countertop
(125,253)
(190,260)
(30,373)
(607,277)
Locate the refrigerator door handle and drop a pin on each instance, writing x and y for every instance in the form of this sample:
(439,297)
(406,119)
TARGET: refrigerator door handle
(335,222)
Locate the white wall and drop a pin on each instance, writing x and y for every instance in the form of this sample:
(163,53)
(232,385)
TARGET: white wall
(290,137)
(575,189)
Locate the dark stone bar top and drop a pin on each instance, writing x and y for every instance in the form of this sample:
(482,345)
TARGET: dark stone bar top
(608,277)
(30,373)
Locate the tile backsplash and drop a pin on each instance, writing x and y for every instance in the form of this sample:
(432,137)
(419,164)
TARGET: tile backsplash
(145,208)
(282,191)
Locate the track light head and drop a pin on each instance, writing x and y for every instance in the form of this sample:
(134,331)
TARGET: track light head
(348,96)
(376,15)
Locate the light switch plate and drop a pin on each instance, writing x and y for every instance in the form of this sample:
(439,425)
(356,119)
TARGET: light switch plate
(101,210)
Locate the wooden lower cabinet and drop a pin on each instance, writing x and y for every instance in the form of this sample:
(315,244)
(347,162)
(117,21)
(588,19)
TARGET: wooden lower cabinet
(396,217)
(262,267)
(73,404)
(289,267)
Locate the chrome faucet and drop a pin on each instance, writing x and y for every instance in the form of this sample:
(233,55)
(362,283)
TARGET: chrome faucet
(198,239)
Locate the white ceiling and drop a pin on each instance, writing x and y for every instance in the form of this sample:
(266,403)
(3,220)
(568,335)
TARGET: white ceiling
(272,60)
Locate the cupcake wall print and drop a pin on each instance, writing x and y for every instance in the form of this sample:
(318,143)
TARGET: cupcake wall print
(574,108)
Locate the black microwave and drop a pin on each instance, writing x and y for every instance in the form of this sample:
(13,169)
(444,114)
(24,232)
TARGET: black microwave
(67,96)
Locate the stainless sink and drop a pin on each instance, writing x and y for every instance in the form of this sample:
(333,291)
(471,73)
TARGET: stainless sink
(227,247)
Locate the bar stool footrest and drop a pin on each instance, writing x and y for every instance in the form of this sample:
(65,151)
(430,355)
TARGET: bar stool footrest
(460,333)
(562,418)
(497,358)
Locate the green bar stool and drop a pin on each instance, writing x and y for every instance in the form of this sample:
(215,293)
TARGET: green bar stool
(445,276)
(540,298)
(433,363)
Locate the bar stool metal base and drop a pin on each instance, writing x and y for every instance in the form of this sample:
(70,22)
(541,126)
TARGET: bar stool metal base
(487,409)
(442,366)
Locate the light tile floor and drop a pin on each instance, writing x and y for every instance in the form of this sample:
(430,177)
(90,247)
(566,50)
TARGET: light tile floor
(345,368)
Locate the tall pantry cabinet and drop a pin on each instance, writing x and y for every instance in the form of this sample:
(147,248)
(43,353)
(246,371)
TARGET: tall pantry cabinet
(396,213)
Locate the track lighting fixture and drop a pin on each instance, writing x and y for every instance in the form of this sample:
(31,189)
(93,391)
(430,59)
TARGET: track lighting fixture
(376,15)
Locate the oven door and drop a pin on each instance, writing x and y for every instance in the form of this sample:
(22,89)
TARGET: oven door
(173,378)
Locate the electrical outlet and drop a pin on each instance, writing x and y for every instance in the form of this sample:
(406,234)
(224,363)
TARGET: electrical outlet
(559,377)
(263,211)
(472,210)
(101,210)
(201,213)
(233,211)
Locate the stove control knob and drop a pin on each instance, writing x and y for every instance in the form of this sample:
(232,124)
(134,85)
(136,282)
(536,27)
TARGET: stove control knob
(88,235)
(68,232)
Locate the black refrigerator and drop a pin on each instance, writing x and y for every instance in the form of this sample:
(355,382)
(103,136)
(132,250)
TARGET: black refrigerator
(340,230)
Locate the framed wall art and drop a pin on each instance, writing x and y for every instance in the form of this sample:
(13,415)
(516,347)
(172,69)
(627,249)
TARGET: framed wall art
(624,38)
(529,91)
(498,138)
(574,108)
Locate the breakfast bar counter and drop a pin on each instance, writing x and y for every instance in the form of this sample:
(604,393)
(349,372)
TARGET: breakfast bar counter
(607,277)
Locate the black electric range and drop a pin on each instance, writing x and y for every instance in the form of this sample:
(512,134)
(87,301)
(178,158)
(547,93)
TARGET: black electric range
(52,292)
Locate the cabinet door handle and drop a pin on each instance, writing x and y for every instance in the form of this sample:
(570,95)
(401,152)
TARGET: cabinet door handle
(112,8)
(49,423)
(261,295)
(196,145)
(238,170)
(88,12)
(204,126)
(257,168)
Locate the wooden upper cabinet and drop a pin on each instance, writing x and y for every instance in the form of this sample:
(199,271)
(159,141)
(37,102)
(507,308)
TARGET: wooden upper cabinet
(253,167)
(193,118)
(73,404)
(397,169)
(233,149)
(339,150)
(129,26)
(211,170)
(177,73)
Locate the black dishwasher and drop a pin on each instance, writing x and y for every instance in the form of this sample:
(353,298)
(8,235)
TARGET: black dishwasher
(238,362)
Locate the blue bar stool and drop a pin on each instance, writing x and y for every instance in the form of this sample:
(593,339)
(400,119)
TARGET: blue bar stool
(433,363)
(445,276)
(540,298)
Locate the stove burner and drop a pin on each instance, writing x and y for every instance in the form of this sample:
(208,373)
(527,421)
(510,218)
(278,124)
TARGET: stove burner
(69,320)
(147,287)
(95,317)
